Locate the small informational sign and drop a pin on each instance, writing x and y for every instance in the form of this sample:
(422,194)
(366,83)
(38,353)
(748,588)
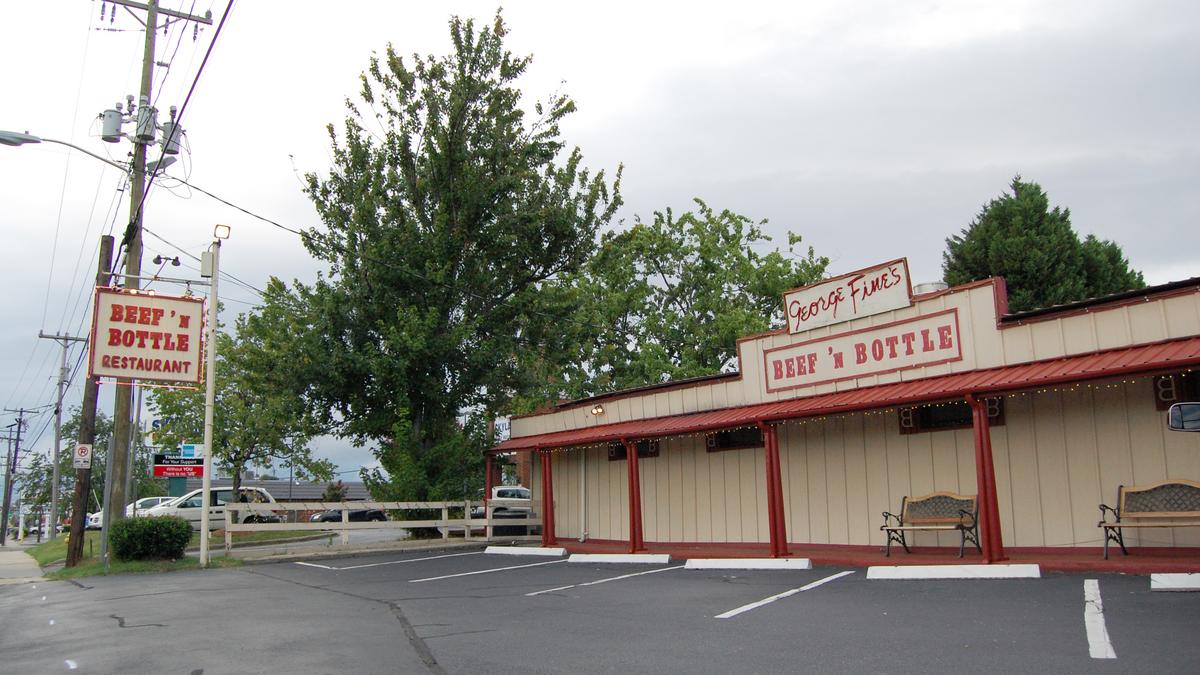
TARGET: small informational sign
(173,466)
(192,450)
(146,336)
(82,457)
(913,343)
(874,290)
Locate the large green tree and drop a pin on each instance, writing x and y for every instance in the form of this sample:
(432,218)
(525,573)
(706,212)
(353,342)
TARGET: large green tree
(449,213)
(668,299)
(1019,237)
(257,418)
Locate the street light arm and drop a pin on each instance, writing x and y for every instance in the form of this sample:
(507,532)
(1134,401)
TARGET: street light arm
(14,138)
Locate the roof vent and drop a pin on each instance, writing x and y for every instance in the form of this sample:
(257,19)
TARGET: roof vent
(930,287)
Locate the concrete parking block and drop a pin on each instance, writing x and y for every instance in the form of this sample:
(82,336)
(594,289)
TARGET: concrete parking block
(1022,571)
(648,558)
(526,550)
(749,564)
(1175,582)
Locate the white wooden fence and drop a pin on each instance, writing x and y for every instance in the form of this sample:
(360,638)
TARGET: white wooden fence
(234,513)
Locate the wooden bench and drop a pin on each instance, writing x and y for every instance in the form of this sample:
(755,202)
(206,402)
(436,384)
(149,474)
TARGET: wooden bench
(1168,503)
(933,512)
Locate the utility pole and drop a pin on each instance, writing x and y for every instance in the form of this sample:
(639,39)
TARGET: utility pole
(144,135)
(87,429)
(64,340)
(10,471)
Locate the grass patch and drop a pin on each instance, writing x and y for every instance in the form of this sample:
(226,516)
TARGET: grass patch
(91,567)
(50,552)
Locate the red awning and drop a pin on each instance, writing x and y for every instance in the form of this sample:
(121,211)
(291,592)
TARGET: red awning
(1111,363)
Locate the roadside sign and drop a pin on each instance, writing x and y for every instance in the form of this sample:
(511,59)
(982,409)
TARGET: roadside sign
(82,457)
(191,450)
(172,466)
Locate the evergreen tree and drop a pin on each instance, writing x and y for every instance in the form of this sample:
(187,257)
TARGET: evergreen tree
(1017,236)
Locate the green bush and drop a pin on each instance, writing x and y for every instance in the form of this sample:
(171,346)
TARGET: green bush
(150,538)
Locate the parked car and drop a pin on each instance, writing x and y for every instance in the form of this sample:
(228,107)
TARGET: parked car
(140,506)
(507,501)
(356,516)
(188,507)
(95,521)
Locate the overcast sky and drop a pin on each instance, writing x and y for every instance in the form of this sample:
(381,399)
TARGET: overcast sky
(873,129)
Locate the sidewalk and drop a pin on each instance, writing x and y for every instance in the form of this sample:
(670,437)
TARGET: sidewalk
(17,566)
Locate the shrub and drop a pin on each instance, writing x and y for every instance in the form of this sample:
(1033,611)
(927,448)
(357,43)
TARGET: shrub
(150,538)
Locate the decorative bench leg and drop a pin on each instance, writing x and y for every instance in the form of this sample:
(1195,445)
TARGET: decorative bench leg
(969,534)
(896,536)
(1114,534)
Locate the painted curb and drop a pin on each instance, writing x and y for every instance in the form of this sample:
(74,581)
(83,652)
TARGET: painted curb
(748,564)
(650,558)
(526,550)
(1182,581)
(955,572)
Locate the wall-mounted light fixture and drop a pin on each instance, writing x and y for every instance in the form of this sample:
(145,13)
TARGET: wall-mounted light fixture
(597,409)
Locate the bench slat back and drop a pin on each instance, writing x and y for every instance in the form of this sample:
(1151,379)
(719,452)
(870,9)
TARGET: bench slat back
(939,508)
(1166,499)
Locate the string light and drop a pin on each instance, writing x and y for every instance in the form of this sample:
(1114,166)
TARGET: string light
(890,410)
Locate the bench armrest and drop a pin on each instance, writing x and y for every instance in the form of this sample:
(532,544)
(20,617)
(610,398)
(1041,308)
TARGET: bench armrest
(1105,509)
(968,514)
(888,517)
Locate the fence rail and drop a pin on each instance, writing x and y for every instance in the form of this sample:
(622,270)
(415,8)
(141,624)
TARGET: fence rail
(488,522)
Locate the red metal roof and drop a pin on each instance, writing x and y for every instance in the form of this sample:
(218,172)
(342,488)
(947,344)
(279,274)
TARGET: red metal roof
(1111,363)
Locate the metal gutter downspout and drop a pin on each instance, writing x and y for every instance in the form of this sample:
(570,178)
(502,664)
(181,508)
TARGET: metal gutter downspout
(990,537)
(635,497)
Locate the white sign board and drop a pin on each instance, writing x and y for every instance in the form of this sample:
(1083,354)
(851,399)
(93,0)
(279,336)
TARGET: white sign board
(146,336)
(191,450)
(912,343)
(82,457)
(851,296)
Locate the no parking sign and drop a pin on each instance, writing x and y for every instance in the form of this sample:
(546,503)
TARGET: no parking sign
(83,456)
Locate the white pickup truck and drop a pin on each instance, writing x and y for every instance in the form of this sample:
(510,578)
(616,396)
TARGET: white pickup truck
(510,498)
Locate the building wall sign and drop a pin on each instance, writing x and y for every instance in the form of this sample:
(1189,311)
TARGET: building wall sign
(912,343)
(882,288)
(147,337)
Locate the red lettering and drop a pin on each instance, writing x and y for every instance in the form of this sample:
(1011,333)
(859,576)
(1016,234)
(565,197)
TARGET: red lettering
(144,316)
(812,363)
(155,339)
(776,365)
(860,353)
(790,368)
(908,339)
(114,337)
(891,341)
(183,320)
(131,313)
(127,338)
(157,314)
(183,342)
(169,342)
(141,338)
(877,350)
(116,313)
(837,360)
(945,340)
(926,343)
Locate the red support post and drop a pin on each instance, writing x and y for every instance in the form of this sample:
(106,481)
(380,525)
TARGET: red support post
(776,520)
(548,538)
(635,498)
(487,479)
(991,539)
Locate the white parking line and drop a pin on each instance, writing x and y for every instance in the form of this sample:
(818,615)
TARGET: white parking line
(390,562)
(494,569)
(766,601)
(602,581)
(1099,646)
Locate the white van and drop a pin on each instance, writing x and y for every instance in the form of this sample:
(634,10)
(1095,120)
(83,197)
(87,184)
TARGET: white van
(188,506)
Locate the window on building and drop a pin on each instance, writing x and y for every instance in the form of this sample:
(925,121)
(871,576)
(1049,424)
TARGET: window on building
(735,439)
(947,416)
(1176,388)
(647,447)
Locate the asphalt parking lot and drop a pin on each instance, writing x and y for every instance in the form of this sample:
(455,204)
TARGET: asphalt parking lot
(465,611)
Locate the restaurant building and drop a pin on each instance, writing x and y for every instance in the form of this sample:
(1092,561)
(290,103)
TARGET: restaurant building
(872,394)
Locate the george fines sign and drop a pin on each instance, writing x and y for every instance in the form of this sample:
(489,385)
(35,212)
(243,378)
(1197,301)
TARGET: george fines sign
(851,296)
(912,343)
(146,336)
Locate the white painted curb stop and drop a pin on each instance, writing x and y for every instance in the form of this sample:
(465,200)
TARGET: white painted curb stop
(1175,582)
(526,550)
(650,558)
(955,572)
(749,564)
